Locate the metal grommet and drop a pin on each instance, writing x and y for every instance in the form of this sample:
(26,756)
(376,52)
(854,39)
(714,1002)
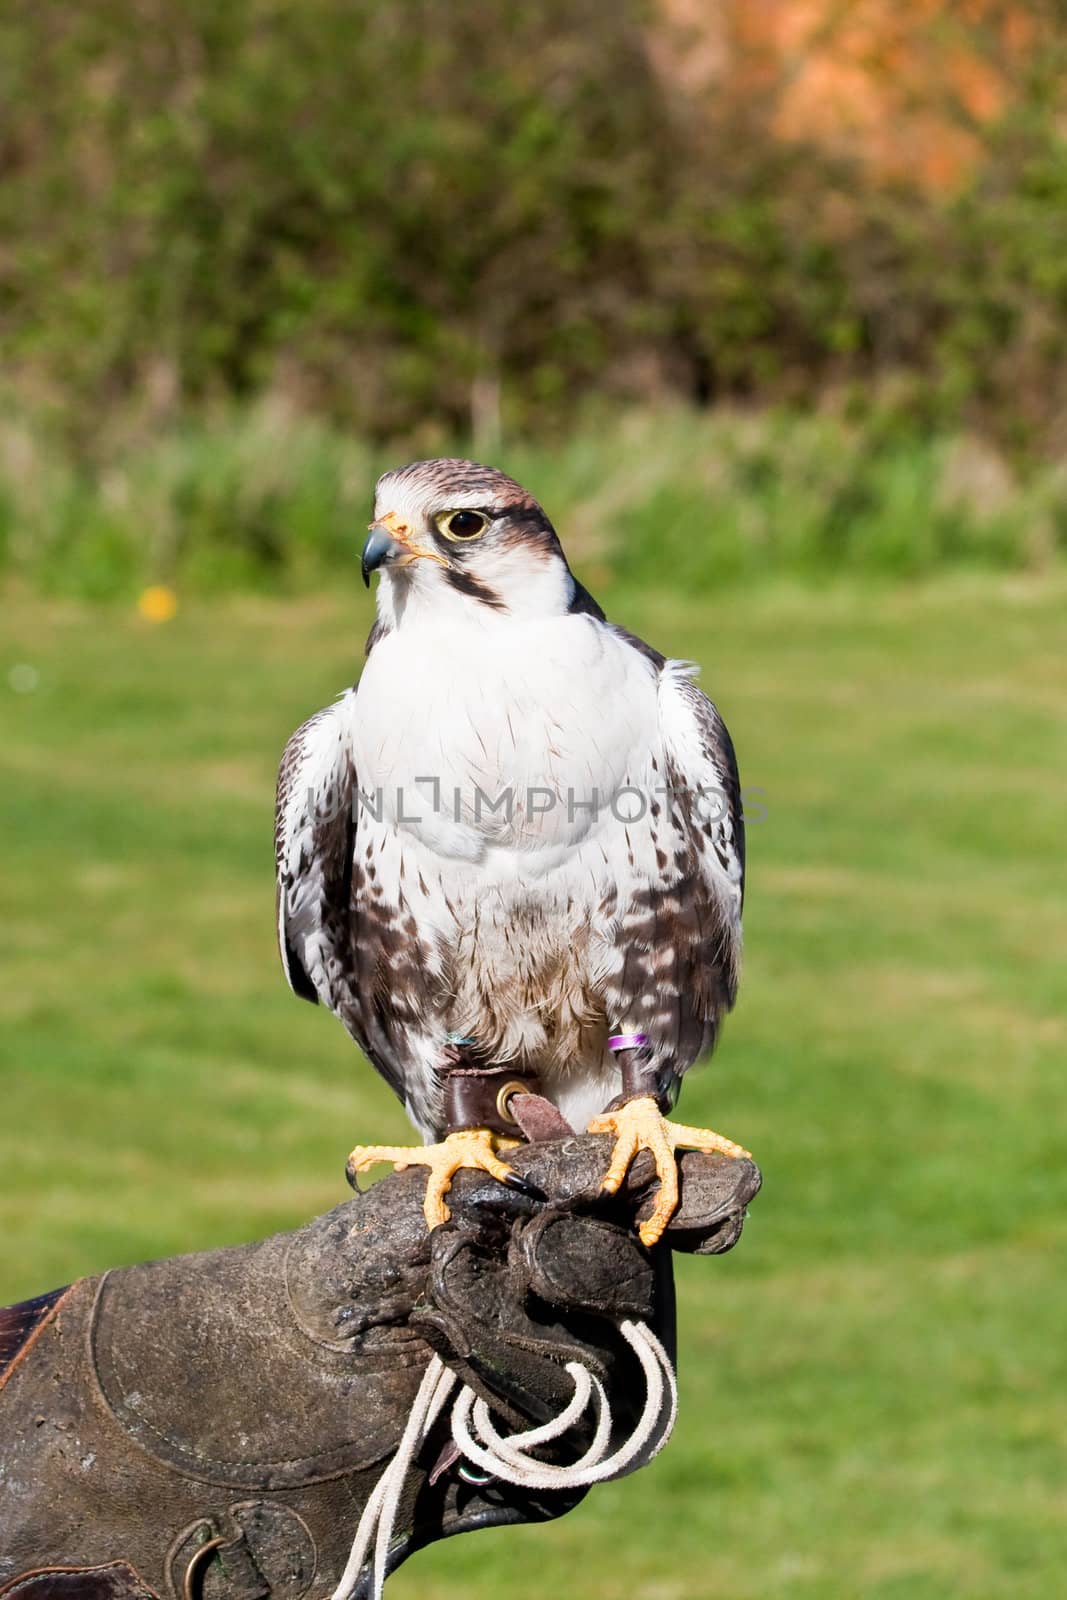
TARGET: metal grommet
(194,1562)
(504,1094)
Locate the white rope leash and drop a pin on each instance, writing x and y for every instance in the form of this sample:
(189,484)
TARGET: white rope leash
(508,1458)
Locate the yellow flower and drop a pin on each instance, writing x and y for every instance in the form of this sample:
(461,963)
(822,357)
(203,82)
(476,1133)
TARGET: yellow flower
(157,603)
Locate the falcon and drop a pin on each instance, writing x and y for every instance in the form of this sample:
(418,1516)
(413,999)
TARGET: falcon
(511,858)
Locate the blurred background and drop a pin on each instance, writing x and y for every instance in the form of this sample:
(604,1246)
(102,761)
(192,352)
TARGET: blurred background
(767,304)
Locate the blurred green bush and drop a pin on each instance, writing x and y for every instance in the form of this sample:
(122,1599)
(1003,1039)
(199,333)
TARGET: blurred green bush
(413,218)
(250,254)
(265,498)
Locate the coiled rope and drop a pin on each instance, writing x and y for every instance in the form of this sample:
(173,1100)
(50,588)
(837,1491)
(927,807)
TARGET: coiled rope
(508,1458)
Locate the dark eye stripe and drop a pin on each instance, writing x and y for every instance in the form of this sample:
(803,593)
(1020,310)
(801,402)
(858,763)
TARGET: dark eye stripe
(466,584)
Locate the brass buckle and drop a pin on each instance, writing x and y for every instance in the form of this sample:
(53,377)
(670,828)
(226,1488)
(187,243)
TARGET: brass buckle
(206,1549)
(503,1097)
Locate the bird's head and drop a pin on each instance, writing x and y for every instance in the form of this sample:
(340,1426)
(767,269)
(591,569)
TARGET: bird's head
(449,532)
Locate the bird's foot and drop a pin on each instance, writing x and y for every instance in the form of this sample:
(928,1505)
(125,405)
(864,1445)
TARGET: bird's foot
(470,1147)
(640,1125)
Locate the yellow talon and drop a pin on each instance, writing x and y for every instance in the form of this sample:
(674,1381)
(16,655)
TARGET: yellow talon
(470,1147)
(640,1125)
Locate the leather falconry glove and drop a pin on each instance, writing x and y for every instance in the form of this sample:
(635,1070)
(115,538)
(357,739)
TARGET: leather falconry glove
(213,1425)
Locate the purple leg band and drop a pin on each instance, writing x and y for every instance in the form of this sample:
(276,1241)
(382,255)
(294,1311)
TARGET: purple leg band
(627,1041)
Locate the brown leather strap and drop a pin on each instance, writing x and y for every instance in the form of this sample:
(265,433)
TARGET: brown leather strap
(479,1097)
(539,1119)
(21,1325)
(112,1580)
(640,1081)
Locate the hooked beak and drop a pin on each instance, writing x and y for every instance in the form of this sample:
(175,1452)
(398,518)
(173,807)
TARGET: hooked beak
(381,546)
(390,541)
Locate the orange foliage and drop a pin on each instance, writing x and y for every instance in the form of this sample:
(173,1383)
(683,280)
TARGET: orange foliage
(903,83)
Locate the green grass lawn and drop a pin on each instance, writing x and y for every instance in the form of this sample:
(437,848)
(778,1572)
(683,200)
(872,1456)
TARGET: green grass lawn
(874,1385)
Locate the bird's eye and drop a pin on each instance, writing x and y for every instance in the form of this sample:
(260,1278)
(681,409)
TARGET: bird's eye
(462,524)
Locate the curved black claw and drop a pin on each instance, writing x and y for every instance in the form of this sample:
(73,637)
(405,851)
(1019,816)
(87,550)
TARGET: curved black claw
(524,1186)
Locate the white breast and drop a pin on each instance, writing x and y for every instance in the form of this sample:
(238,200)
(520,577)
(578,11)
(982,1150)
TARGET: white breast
(551,713)
(557,714)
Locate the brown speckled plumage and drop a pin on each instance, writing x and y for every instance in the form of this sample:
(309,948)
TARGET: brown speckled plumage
(536,935)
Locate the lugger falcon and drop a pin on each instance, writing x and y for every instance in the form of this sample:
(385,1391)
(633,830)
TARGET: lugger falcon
(511,859)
